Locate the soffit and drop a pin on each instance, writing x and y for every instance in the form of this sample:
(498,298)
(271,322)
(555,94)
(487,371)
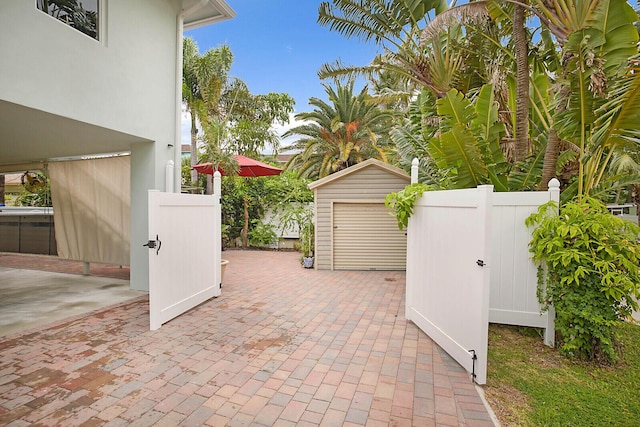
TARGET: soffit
(211,12)
(28,135)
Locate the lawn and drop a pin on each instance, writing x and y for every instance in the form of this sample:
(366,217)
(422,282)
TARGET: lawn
(530,384)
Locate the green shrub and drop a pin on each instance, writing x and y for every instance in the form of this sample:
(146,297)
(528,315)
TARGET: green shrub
(588,271)
(262,234)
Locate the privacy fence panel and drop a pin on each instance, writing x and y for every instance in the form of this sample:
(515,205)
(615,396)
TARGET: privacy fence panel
(513,299)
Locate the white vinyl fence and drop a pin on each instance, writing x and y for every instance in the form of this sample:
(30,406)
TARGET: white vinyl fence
(514,280)
(438,274)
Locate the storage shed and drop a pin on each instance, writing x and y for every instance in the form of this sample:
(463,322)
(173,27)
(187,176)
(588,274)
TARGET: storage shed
(354,229)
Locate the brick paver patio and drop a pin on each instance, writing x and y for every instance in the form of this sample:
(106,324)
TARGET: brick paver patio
(282,346)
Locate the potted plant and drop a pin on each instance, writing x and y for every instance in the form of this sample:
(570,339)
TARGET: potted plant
(299,216)
(306,246)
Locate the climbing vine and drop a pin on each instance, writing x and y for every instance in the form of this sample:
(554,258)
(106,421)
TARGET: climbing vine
(403,201)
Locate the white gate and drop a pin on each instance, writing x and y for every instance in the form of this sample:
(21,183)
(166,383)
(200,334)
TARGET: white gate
(184,253)
(448,273)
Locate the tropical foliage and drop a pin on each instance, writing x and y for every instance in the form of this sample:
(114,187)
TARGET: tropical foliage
(232,119)
(280,193)
(341,134)
(581,69)
(203,80)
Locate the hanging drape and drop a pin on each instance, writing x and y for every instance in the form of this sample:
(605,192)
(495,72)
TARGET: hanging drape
(91,209)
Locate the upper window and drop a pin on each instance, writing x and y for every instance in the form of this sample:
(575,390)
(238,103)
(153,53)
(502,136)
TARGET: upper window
(79,14)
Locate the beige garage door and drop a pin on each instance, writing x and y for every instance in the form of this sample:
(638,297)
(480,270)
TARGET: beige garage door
(366,237)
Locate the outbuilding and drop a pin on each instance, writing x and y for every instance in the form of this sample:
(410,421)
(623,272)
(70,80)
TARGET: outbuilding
(354,229)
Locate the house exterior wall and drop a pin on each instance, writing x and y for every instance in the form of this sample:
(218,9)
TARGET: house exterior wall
(370,183)
(130,73)
(125,82)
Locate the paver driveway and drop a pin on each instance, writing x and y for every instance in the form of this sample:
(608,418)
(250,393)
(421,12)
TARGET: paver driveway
(281,346)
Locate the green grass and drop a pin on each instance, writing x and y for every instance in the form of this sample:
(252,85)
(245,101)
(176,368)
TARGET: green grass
(530,384)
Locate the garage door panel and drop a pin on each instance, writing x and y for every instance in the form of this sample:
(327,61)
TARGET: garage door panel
(366,237)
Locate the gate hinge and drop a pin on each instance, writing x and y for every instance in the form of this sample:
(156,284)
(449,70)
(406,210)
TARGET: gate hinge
(474,358)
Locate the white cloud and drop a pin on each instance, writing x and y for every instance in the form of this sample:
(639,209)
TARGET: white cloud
(281,129)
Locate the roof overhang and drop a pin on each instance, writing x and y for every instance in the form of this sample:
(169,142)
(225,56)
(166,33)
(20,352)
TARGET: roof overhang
(199,13)
(29,137)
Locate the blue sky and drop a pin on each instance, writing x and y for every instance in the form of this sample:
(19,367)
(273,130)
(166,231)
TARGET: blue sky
(279,47)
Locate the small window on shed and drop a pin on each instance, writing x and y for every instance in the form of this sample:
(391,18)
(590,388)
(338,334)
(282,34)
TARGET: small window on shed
(83,15)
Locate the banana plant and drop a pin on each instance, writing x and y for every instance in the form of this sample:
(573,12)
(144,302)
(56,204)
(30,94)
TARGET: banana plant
(602,83)
(468,142)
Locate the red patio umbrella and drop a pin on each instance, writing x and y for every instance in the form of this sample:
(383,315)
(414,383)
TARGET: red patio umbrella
(248,167)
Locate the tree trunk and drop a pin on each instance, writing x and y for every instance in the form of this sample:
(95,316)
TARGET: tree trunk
(635,194)
(194,149)
(209,189)
(245,229)
(550,163)
(522,84)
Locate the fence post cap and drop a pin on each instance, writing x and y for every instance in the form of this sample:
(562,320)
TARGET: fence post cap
(554,183)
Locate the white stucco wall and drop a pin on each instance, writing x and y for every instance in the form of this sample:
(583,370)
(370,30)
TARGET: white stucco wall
(124,82)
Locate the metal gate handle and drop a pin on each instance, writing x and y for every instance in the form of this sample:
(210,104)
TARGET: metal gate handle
(151,244)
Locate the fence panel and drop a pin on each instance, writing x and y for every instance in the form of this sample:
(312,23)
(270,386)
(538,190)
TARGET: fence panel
(514,281)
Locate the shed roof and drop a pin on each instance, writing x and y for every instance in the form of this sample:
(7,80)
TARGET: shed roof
(360,166)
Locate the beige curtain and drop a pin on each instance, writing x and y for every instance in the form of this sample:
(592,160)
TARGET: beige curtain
(91,208)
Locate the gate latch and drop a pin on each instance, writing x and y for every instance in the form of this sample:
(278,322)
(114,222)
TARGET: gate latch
(480,263)
(151,244)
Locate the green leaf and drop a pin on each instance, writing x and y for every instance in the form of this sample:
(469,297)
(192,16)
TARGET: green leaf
(458,148)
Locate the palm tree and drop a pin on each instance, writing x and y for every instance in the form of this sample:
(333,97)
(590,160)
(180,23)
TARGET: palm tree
(203,80)
(341,134)
(417,47)
(395,26)
(521,49)
(599,99)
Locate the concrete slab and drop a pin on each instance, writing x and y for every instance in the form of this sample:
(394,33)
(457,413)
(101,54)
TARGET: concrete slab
(33,298)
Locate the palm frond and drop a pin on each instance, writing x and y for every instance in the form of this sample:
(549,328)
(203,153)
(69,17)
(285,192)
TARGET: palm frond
(470,13)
